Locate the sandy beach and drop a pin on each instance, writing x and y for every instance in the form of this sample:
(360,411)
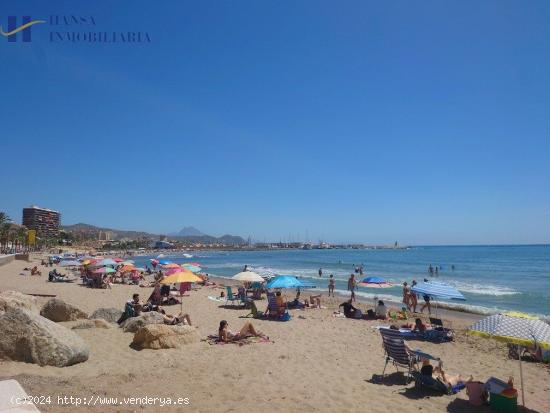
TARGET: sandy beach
(316,362)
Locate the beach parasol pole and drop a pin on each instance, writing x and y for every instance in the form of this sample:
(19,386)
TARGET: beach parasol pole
(521,350)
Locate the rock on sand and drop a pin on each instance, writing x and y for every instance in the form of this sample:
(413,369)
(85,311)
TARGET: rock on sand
(10,300)
(133,324)
(110,314)
(34,339)
(159,336)
(58,310)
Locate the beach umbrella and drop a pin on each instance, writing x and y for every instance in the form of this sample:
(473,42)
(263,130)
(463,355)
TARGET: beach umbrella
(128,262)
(248,276)
(105,262)
(192,268)
(86,262)
(287,281)
(375,282)
(181,277)
(104,270)
(116,259)
(70,263)
(516,328)
(438,290)
(170,265)
(128,268)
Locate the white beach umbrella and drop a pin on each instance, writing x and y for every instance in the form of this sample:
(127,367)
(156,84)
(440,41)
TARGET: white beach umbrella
(248,276)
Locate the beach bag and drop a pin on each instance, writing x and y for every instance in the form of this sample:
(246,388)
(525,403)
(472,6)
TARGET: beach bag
(285,316)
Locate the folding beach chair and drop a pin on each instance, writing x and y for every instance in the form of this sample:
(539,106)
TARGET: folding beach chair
(254,311)
(396,351)
(230,296)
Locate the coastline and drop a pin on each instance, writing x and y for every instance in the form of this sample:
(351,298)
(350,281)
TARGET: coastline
(316,361)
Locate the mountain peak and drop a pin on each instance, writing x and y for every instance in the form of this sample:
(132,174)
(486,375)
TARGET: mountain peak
(188,232)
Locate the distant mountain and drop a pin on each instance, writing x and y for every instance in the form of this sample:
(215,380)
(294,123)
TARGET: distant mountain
(191,235)
(188,232)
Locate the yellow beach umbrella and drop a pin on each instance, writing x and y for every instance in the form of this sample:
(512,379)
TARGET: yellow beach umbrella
(181,277)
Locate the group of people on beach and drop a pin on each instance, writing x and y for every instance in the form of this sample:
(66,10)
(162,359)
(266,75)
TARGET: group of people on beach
(411,300)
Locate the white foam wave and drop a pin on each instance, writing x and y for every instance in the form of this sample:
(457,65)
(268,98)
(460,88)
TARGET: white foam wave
(483,289)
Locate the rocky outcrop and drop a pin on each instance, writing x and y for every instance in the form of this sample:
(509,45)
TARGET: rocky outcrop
(133,324)
(159,336)
(109,314)
(58,310)
(29,337)
(10,300)
(96,323)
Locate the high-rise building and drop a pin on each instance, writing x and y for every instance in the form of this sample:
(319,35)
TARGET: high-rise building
(44,221)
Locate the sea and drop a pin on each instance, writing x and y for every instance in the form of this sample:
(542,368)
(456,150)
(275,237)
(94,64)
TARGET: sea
(492,278)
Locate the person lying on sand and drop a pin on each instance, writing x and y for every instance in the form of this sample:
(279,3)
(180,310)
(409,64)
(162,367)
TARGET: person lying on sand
(418,326)
(314,301)
(226,335)
(35,271)
(449,380)
(174,320)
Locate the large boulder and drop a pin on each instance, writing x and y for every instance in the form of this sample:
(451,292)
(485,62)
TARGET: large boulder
(110,314)
(29,337)
(158,336)
(58,310)
(10,300)
(95,323)
(133,324)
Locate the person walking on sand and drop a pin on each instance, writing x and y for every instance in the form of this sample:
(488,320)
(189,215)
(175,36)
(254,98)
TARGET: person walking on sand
(351,286)
(331,285)
(406,293)
(413,301)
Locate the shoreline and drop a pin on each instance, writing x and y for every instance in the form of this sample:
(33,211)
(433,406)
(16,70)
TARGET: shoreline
(315,361)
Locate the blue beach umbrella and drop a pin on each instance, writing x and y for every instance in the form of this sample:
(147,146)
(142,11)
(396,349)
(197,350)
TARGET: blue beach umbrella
(375,282)
(438,290)
(192,268)
(287,281)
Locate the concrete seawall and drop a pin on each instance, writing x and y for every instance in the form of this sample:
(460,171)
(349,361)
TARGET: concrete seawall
(4,259)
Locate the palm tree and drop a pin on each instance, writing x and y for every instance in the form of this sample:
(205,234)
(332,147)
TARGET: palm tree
(22,236)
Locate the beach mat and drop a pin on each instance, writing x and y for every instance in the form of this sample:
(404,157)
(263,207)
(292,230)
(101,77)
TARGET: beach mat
(9,390)
(218,299)
(213,339)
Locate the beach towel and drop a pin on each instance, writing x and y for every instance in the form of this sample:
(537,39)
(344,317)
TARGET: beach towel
(213,339)
(218,299)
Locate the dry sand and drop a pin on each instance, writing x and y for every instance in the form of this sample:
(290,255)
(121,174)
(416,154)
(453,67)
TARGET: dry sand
(316,363)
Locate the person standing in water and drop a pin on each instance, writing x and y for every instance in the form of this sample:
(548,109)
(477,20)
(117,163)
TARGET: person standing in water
(331,285)
(320,272)
(351,286)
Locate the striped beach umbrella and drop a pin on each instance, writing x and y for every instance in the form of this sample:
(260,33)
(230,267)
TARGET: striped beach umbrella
(517,328)
(438,290)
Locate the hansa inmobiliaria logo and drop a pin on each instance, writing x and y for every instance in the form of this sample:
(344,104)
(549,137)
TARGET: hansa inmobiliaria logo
(66,29)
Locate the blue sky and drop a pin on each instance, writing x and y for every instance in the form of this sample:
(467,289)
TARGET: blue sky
(423,122)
